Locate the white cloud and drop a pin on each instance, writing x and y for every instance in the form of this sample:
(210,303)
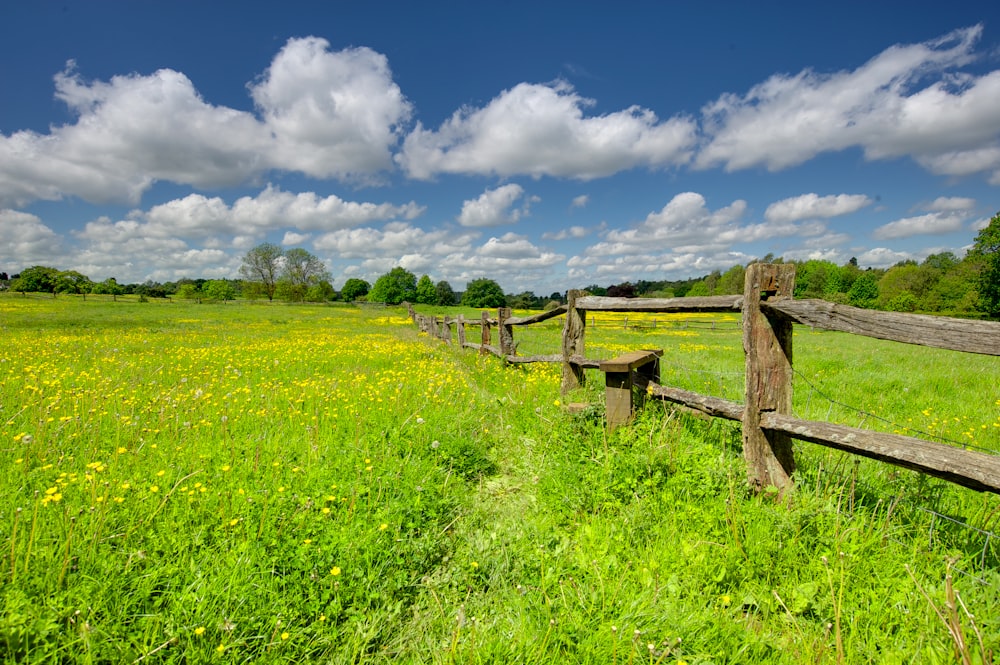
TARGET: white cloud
(509,246)
(333,114)
(324,113)
(198,216)
(883,257)
(687,238)
(445,254)
(812,206)
(684,224)
(569,232)
(580,201)
(980,224)
(292,238)
(933,223)
(952,204)
(947,215)
(538,130)
(493,207)
(951,126)
(26,241)
(394,241)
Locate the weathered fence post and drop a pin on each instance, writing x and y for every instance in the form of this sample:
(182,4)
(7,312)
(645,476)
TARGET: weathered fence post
(767,343)
(461,331)
(486,334)
(446,329)
(506,332)
(573,343)
(433,323)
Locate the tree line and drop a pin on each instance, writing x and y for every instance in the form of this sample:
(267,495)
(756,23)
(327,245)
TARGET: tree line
(942,283)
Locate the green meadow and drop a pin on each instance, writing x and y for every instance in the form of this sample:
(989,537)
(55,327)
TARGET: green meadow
(248,483)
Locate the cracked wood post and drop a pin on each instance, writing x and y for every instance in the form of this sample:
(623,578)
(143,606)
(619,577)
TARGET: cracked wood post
(433,323)
(767,343)
(486,334)
(461,331)
(506,332)
(446,330)
(573,343)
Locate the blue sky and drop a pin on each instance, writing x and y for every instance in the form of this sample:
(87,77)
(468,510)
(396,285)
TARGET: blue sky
(545,145)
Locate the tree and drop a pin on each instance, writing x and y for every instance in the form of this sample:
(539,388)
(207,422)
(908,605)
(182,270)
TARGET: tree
(698,289)
(443,294)
(188,291)
(321,291)
(986,252)
(482,293)
(354,289)
(908,278)
(394,287)
(731,282)
(71,281)
(426,295)
(110,287)
(219,289)
(624,290)
(523,300)
(37,279)
(261,268)
(815,278)
(299,271)
(864,291)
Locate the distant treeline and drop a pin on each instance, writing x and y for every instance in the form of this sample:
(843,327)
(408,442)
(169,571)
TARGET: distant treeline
(942,283)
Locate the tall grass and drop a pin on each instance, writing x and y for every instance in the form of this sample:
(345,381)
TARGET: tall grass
(200,483)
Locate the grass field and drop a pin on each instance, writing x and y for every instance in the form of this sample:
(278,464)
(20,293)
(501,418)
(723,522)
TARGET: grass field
(252,483)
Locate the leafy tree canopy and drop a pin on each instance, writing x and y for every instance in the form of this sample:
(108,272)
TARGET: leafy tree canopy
(426,295)
(354,289)
(219,289)
(261,268)
(986,250)
(37,279)
(483,292)
(444,294)
(394,287)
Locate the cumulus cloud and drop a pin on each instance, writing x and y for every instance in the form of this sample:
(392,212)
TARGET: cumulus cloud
(564,234)
(511,259)
(687,238)
(580,201)
(952,204)
(322,113)
(813,206)
(933,223)
(26,241)
(883,257)
(198,216)
(541,129)
(204,236)
(333,114)
(393,241)
(950,126)
(684,224)
(947,215)
(493,207)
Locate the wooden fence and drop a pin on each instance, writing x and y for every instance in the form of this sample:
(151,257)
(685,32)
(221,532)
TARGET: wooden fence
(768,314)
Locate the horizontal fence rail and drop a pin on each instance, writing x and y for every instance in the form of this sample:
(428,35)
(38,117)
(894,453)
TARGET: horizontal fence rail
(768,314)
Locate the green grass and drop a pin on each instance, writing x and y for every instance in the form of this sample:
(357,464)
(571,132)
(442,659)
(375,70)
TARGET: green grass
(250,483)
